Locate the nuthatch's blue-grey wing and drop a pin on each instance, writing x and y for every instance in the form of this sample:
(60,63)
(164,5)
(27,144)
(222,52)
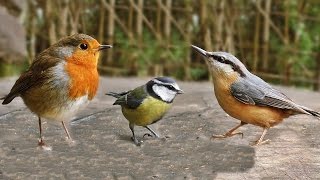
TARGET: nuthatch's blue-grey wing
(131,99)
(250,93)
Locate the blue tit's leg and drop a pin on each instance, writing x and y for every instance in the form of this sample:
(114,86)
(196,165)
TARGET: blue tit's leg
(134,139)
(152,131)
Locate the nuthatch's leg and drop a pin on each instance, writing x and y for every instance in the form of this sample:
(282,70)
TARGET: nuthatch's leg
(152,131)
(230,132)
(134,139)
(66,130)
(260,140)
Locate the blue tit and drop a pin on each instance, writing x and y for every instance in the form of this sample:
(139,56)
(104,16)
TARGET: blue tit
(148,103)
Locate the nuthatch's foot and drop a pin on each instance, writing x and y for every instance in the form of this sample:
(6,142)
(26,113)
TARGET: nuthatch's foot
(259,142)
(227,135)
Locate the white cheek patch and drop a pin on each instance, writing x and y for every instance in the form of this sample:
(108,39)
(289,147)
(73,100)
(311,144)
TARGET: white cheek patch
(165,93)
(226,68)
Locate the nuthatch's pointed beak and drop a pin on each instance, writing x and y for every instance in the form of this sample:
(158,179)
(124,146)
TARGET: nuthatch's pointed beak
(201,51)
(102,47)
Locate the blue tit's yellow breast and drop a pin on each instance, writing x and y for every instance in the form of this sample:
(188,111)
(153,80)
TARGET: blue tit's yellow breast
(149,111)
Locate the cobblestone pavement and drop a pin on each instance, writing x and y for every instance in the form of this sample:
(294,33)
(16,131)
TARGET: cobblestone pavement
(103,149)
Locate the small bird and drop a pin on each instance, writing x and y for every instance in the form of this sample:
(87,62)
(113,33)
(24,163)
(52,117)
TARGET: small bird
(147,104)
(60,80)
(246,97)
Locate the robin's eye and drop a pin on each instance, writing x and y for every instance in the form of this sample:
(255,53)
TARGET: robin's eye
(83,46)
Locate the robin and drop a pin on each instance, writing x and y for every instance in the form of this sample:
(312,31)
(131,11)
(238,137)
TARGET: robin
(61,80)
(147,104)
(246,97)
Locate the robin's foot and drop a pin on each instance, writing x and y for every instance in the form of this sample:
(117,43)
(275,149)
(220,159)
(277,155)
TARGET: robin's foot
(41,142)
(43,146)
(226,135)
(136,141)
(259,142)
(70,141)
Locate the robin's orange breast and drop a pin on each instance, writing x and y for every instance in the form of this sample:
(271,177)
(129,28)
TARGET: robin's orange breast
(257,115)
(84,79)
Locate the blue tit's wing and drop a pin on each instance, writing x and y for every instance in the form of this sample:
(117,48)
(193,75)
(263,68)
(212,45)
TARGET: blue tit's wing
(248,92)
(132,99)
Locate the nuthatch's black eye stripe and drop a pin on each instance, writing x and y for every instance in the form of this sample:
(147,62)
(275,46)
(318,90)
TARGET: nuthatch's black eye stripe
(218,58)
(235,67)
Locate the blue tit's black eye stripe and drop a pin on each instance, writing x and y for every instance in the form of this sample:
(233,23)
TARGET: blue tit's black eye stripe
(170,87)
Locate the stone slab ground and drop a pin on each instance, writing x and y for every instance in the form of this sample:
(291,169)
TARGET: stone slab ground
(103,150)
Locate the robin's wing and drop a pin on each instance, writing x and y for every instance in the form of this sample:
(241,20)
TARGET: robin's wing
(34,76)
(250,93)
(132,99)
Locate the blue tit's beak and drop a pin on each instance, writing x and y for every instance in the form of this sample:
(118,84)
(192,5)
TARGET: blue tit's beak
(201,51)
(102,47)
(180,91)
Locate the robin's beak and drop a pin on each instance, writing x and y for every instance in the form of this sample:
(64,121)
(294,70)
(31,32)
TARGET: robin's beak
(201,51)
(102,47)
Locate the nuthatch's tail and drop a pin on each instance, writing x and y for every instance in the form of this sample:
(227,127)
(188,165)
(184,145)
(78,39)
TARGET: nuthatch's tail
(312,112)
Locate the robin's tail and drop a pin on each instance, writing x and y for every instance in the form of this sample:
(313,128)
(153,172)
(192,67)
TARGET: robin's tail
(7,99)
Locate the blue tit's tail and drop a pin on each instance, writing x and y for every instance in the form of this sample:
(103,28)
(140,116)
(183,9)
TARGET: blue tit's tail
(117,95)
(120,97)
(113,94)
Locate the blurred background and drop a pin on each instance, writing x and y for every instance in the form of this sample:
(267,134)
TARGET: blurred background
(277,40)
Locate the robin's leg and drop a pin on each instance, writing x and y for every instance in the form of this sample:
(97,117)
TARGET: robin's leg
(40,141)
(152,131)
(260,141)
(134,139)
(231,132)
(66,130)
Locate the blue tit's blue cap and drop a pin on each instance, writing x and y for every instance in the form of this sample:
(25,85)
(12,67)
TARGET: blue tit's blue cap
(165,79)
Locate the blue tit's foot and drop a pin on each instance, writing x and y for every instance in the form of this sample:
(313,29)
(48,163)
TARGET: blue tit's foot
(151,135)
(154,134)
(147,134)
(136,141)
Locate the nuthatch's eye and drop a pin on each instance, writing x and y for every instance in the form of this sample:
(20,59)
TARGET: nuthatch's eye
(220,59)
(83,46)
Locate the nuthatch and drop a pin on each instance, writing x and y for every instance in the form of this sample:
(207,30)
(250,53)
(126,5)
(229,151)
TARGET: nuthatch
(148,103)
(246,97)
